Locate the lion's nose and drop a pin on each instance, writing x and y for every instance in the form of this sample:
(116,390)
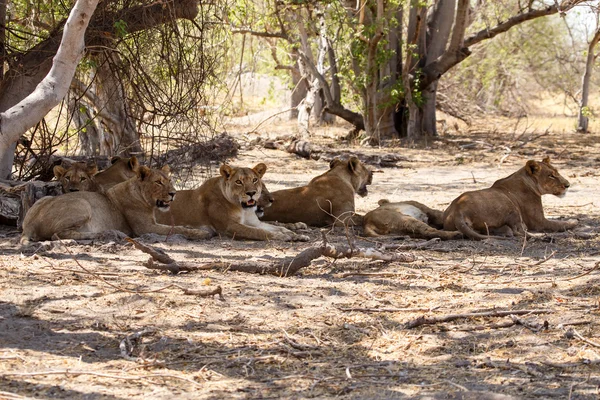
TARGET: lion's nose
(172,195)
(251,193)
(567,184)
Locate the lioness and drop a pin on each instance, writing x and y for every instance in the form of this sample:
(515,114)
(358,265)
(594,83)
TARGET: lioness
(127,207)
(228,204)
(76,177)
(327,199)
(511,206)
(406,218)
(80,176)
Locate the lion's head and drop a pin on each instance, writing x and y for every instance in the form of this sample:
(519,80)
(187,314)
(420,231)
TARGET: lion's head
(547,178)
(120,170)
(76,177)
(243,185)
(156,187)
(360,175)
(266,200)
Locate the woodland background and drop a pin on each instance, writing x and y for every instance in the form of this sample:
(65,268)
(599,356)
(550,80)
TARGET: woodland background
(161,76)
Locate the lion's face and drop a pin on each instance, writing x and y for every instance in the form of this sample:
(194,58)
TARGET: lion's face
(77,177)
(243,185)
(547,178)
(360,174)
(265,200)
(156,187)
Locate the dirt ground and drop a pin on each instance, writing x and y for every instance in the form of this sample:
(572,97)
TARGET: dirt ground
(89,321)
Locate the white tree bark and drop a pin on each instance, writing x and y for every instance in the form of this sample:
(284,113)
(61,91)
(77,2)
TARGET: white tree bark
(15,121)
(582,126)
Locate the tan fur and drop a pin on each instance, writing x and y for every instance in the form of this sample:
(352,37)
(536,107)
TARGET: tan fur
(327,199)
(406,218)
(76,177)
(121,169)
(80,176)
(227,204)
(512,205)
(127,207)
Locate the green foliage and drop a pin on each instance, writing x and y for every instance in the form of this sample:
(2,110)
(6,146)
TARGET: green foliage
(120,28)
(587,112)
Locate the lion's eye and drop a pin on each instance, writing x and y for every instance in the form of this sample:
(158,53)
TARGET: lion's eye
(83,178)
(254,180)
(551,176)
(159,183)
(238,182)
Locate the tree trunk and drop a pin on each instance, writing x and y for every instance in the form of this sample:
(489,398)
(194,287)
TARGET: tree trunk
(111,93)
(411,72)
(300,87)
(2,37)
(51,90)
(372,75)
(439,27)
(582,126)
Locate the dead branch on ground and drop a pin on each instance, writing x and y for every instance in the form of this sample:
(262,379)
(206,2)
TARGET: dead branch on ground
(287,266)
(423,320)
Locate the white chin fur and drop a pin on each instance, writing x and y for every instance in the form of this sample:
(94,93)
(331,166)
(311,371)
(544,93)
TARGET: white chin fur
(164,209)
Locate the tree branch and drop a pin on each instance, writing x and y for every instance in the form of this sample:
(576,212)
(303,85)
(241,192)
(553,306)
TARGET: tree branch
(432,72)
(332,106)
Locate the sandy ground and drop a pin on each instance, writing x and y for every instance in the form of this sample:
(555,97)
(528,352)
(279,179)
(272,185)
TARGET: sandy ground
(89,321)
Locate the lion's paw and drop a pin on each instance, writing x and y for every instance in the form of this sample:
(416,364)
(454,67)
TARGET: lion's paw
(296,226)
(571,223)
(300,238)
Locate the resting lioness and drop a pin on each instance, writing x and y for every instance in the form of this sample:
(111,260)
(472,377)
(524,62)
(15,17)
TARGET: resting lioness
(76,177)
(327,199)
(228,204)
(511,206)
(406,218)
(127,207)
(80,176)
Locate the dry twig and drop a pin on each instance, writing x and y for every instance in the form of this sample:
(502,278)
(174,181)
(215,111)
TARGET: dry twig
(423,320)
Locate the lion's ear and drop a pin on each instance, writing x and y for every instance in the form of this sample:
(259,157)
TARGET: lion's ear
(144,172)
(333,163)
(166,169)
(133,163)
(353,164)
(260,169)
(383,201)
(532,167)
(114,159)
(92,169)
(59,171)
(546,160)
(226,171)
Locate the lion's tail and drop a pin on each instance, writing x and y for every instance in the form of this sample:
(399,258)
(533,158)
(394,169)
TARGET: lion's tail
(466,230)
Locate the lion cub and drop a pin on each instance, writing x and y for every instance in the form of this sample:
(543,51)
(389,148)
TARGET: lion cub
(228,204)
(511,206)
(81,177)
(127,207)
(406,218)
(327,199)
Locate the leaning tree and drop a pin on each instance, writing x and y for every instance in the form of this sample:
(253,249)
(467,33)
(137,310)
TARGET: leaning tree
(143,71)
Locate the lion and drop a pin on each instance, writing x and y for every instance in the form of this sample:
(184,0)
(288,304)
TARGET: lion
(512,206)
(406,218)
(228,204)
(80,176)
(76,177)
(127,207)
(328,199)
